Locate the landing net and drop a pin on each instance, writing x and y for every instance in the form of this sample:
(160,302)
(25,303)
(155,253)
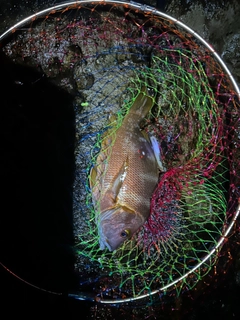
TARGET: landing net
(105,52)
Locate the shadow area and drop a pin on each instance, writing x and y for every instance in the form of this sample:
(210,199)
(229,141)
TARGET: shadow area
(36,174)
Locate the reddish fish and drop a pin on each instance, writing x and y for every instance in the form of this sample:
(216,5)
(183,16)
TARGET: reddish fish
(124,177)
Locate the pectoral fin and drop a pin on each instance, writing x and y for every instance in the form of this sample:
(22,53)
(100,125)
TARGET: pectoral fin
(113,191)
(156,149)
(157,153)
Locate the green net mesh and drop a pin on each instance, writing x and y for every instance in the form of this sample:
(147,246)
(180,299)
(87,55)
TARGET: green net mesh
(105,53)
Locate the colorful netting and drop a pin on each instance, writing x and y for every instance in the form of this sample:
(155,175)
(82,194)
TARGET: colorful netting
(104,53)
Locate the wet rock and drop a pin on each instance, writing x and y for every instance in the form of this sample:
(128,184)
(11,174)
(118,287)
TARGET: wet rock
(217,22)
(231,54)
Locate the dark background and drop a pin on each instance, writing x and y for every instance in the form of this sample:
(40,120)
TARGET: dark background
(40,158)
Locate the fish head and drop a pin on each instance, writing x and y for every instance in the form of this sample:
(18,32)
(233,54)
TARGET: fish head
(117,225)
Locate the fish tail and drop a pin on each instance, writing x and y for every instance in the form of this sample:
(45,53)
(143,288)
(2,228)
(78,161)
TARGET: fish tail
(142,104)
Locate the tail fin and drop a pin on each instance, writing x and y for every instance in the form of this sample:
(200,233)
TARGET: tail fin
(142,104)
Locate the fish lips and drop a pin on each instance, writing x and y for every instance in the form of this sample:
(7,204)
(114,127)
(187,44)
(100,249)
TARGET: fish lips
(104,244)
(103,220)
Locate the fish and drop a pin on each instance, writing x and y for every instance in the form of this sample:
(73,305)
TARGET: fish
(124,177)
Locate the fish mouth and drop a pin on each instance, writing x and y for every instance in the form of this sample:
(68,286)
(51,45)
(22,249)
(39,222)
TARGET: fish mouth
(103,243)
(103,240)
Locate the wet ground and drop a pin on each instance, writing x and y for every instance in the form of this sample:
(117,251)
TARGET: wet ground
(216,22)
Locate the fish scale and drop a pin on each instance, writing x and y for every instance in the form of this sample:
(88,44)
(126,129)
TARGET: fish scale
(135,189)
(123,184)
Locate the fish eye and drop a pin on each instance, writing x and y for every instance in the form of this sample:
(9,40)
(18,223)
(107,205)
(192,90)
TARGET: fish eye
(124,233)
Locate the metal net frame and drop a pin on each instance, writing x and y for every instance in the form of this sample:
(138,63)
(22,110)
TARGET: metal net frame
(106,51)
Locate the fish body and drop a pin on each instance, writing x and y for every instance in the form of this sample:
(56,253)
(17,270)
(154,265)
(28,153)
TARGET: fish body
(124,178)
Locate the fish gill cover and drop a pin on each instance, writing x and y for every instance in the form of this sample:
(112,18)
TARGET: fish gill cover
(104,53)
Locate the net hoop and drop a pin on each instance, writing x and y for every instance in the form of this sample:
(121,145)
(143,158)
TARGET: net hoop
(207,257)
(134,5)
(149,11)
